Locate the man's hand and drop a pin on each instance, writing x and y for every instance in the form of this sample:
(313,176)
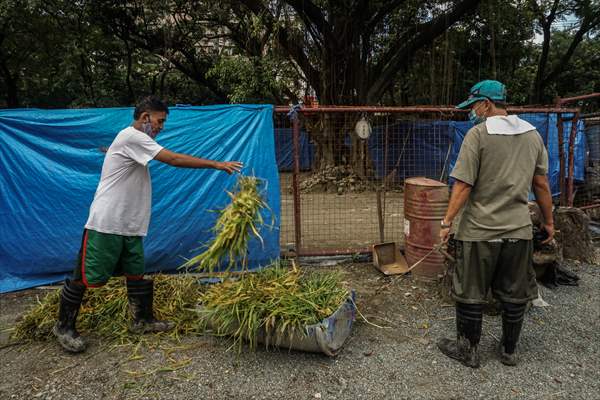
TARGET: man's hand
(543,197)
(444,235)
(549,228)
(230,166)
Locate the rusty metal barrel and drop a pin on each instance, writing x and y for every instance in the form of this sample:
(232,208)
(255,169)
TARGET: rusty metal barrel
(425,204)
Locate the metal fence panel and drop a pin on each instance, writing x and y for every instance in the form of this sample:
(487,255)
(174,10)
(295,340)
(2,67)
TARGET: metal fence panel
(342,193)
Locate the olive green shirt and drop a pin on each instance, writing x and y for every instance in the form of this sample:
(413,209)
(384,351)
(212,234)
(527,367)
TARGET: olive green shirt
(500,169)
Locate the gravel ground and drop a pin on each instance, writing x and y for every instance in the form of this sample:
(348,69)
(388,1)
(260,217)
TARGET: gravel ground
(560,356)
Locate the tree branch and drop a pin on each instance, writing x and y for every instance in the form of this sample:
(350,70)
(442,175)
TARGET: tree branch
(311,14)
(386,9)
(588,24)
(400,52)
(293,48)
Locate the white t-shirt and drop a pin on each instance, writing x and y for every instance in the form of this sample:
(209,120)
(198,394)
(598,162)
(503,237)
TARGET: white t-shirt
(124,195)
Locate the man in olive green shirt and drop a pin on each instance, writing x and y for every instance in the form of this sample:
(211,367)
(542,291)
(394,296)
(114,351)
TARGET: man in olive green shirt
(501,158)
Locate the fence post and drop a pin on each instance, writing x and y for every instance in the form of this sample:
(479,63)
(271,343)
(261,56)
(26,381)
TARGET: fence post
(571,176)
(296,183)
(561,157)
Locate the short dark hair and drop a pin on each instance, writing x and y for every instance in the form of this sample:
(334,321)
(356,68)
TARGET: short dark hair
(500,104)
(149,103)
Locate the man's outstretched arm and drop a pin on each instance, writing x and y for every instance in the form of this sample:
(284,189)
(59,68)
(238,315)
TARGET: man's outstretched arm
(185,161)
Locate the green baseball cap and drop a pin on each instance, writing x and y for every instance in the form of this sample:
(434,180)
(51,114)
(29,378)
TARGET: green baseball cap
(488,89)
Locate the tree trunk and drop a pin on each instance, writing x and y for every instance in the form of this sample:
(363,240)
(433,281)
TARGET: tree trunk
(130,94)
(538,91)
(12,96)
(329,141)
(493,44)
(12,92)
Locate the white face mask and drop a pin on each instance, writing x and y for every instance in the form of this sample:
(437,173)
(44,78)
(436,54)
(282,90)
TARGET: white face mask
(147,128)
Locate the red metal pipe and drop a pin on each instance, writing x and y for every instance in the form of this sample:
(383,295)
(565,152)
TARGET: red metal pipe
(340,109)
(590,206)
(561,158)
(561,101)
(542,110)
(423,109)
(570,177)
(296,184)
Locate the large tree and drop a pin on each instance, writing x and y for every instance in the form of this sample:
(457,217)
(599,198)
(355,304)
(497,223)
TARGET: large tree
(350,52)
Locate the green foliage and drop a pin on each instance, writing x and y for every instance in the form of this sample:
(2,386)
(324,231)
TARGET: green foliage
(97,53)
(237,223)
(251,79)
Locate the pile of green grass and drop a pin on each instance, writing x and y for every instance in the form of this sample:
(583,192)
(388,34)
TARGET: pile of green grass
(105,311)
(277,301)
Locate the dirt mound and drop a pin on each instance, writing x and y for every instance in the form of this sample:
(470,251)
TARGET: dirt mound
(340,180)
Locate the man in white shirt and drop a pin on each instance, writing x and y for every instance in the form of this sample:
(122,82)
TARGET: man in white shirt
(118,220)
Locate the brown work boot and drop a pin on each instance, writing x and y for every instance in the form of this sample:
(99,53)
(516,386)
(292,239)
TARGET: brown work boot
(141,297)
(461,350)
(64,329)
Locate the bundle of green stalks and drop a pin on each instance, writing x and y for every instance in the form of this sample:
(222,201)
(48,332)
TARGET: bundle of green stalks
(277,301)
(236,224)
(105,312)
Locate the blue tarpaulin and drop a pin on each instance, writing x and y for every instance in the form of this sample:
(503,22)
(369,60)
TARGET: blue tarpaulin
(430,148)
(50,165)
(546,125)
(414,149)
(284,143)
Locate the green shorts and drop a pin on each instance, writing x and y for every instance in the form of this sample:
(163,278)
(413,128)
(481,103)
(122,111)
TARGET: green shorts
(505,267)
(103,255)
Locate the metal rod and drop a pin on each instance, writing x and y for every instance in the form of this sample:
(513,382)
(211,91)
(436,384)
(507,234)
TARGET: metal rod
(385,166)
(590,206)
(590,115)
(334,252)
(296,184)
(566,100)
(561,158)
(421,109)
(380,216)
(570,176)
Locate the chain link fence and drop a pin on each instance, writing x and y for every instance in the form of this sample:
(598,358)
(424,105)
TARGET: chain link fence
(342,169)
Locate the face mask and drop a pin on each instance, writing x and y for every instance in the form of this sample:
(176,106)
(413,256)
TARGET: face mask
(474,118)
(147,128)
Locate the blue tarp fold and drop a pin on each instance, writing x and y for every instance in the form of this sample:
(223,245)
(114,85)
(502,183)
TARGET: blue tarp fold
(430,148)
(50,165)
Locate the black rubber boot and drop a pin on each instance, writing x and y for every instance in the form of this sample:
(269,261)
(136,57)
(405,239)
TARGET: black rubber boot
(141,297)
(512,323)
(468,334)
(64,329)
